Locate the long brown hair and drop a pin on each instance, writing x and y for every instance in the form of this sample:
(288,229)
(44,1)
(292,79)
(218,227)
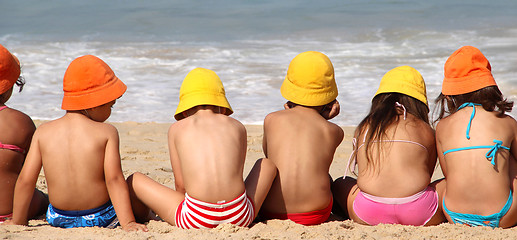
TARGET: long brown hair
(382,114)
(489,97)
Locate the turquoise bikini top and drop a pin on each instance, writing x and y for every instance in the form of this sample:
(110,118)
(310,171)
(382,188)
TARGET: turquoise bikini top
(492,149)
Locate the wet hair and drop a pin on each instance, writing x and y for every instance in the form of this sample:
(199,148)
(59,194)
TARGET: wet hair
(489,97)
(383,113)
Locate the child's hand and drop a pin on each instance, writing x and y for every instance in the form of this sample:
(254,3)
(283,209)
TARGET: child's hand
(133,226)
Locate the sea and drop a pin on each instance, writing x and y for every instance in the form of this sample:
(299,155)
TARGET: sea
(152,45)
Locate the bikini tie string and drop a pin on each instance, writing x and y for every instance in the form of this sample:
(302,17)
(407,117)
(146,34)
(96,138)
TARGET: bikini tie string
(402,106)
(491,153)
(473,105)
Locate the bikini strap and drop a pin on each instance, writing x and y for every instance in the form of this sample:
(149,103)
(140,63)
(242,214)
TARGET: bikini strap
(353,160)
(490,154)
(473,105)
(12,147)
(407,141)
(354,145)
(2,108)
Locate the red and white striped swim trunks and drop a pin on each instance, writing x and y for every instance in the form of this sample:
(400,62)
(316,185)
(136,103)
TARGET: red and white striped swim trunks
(193,213)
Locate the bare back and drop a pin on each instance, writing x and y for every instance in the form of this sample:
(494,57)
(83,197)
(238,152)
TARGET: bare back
(403,162)
(73,150)
(16,129)
(302,144)
(474,185)
(208,151)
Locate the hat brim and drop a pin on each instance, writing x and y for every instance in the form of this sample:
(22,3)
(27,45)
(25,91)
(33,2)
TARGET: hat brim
(414,94)
(94,98)
(457,86)
(308,97)
(201,98)
(10,71)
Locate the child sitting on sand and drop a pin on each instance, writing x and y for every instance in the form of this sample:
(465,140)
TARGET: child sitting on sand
(17,129)
(301,142)
(477,144)
(207,153)
(395,151)
(80,155)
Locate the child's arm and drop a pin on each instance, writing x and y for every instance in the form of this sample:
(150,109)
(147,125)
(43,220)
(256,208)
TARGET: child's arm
(175,163)
(266,124)
(116,184)
(513,146)
(264,144)
(432,153)
(26,183)
(439,151)
(339,134)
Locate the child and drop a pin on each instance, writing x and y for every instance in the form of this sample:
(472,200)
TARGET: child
(80,155)
(17,129)
(477,144)
(301,142)
(207,153)
(395,151)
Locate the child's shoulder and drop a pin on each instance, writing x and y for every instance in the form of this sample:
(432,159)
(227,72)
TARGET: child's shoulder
(21,119)
(88,125)
(274,116)
(510,121)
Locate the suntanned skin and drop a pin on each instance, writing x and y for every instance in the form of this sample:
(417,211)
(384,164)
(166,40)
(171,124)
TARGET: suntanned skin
(301,143)
(17,129)
(207,154)
(80,156)
(402,170)
(474,185)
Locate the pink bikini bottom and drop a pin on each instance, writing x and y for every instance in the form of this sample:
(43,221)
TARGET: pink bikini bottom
(414,210)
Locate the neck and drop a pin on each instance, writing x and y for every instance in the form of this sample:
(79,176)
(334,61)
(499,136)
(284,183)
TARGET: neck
(82,113)
(202,110)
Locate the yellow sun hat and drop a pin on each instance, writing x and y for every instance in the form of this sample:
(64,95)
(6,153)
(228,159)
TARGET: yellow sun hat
(405,80)
(201,86)
(310,80)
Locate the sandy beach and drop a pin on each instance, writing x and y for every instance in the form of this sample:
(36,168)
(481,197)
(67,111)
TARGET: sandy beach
(143,148)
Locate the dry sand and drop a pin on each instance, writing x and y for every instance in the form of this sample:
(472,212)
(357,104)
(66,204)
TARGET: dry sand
(143,148)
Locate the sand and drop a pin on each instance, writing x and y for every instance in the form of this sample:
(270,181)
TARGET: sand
(143,148)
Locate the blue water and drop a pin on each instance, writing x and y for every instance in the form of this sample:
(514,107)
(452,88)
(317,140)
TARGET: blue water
(152,45)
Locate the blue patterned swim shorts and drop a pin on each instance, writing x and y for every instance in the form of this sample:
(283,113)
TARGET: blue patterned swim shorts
(103,216)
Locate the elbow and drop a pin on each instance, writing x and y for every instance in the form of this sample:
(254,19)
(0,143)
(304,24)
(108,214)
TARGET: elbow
(114,181)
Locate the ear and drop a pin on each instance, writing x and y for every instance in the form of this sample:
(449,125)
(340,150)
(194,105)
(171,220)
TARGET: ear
(334,110)
(288,105)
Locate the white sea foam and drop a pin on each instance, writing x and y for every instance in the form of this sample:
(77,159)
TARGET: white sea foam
(152,47)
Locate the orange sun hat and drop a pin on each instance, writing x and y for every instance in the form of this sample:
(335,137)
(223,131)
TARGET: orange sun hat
(466,70)
(89,82)
(9,69)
